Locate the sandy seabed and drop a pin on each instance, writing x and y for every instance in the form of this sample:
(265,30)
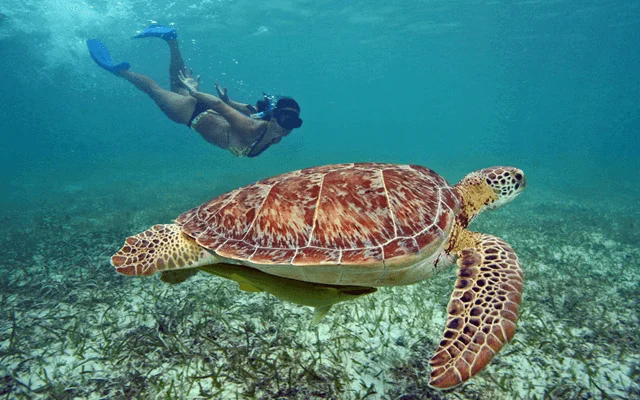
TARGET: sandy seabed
(73,328)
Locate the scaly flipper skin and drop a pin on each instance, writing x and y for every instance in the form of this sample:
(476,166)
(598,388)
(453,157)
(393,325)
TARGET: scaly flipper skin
(159,248)
(482,311)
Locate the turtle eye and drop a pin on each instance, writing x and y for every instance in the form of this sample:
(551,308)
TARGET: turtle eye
(519,176)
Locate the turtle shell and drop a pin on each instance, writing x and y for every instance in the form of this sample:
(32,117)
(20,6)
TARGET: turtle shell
(368,224)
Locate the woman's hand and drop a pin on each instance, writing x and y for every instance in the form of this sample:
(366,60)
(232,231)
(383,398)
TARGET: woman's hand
(222,93)
(189,82)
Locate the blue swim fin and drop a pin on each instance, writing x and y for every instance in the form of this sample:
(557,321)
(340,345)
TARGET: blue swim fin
(161,31)
(101,56)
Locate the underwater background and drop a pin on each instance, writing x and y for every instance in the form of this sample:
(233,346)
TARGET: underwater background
(551,87)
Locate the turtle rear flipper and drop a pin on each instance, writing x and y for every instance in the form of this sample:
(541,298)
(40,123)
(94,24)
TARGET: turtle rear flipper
(177,276)
(160,248)
(482,311)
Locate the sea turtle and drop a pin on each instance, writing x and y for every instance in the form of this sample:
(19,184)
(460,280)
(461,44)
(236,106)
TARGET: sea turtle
(361,225)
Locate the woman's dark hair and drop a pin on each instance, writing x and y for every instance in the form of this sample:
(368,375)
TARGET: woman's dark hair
(288,102)
(261,105)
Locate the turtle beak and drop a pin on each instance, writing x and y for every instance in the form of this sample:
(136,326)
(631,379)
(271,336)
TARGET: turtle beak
(520,178)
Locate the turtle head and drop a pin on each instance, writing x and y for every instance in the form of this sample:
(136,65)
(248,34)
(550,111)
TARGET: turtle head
(489,188)
(506,182)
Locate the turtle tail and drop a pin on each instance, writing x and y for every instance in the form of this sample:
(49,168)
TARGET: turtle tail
(159,248)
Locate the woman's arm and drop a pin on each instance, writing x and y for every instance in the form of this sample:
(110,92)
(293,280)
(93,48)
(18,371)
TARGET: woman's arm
(239,122)
(244,108)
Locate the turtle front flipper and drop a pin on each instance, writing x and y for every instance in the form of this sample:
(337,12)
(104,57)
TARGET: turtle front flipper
(160,248)
(482,310)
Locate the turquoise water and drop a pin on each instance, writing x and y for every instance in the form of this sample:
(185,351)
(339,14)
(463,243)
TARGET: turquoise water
(551,87)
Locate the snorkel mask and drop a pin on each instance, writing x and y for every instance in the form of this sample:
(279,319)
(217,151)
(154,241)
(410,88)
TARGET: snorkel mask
(287,114)
(284,109)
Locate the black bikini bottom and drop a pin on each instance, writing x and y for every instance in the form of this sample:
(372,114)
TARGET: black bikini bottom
(200,108)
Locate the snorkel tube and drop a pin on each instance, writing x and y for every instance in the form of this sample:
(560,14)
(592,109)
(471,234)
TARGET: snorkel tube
(270,101)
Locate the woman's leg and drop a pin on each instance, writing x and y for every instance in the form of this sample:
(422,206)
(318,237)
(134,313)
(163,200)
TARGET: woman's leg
(177,107)
(176,65)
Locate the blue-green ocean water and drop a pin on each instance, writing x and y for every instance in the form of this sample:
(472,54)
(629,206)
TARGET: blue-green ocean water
(552,87)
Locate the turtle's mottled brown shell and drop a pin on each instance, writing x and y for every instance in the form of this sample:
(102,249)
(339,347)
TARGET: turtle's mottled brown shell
(336,224)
